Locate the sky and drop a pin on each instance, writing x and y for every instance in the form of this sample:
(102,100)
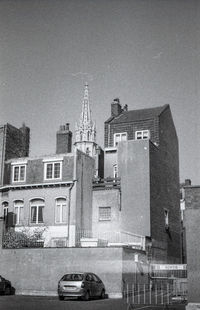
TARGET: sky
(146,52)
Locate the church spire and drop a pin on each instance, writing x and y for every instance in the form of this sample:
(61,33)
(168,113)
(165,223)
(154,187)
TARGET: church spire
(85,129)
(86,113)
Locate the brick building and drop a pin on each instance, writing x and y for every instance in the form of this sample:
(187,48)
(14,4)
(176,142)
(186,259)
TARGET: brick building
(192,219)
(14,142)
(141,149)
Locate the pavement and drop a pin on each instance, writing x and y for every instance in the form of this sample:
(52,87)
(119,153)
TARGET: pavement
(52,303)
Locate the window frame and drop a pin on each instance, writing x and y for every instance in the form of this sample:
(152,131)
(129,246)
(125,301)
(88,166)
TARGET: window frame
(19,166)
(119,134)
(53,163)
(37,203)
(61,214)
(5,207)
(115,171)
(166,214)
(142,132)
(19,208)
(102,218)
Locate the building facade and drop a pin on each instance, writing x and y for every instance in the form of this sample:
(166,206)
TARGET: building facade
(52,194)
(192,219)
(141,149)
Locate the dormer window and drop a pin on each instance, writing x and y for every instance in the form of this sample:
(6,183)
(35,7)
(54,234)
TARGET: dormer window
(18,172)
(142,135)
(52,170)
(120,136)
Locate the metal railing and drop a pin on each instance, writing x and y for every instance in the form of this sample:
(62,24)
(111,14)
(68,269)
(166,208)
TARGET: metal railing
(110,238)
(158,294)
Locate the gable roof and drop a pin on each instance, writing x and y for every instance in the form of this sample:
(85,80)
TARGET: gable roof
(137,115)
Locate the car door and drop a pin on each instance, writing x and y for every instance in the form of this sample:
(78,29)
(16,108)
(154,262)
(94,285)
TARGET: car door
(99,285)
(88,280)
(96,291)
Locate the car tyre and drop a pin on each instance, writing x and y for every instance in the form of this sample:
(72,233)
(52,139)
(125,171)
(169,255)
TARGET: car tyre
(61,297)
(87,296)
(102,296)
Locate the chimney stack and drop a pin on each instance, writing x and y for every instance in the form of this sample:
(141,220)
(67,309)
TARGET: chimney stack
(64,140)
(116,107)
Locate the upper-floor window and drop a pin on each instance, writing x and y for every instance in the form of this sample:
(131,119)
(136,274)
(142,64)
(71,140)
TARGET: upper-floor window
(52,170)
(18,209)
(61,210)
(142,135)
(104,213)
(120,136)
(19,173)
(37,207)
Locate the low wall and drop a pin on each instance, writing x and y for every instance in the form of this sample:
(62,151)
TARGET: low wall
(37,271)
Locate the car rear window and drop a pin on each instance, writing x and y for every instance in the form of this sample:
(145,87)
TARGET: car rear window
(72,277)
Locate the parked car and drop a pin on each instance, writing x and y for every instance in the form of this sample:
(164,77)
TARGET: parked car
(81,284)
(5,286)
(179,299)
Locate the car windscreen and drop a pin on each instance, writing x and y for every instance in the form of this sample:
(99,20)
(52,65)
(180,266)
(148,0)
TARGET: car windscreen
(72,277)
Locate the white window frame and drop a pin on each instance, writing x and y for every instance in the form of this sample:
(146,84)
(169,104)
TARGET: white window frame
(18,207)
(37,203)
(53,170)
(62,205)
(115,171)
(104,218)
(120,134)
(144,134)
(166,213)
(19,166)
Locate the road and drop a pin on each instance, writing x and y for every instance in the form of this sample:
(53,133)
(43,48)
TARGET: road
(52,303)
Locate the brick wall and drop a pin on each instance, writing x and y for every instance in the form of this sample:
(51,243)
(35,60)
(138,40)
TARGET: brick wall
(17,142)
(164,163)
(192,220)
(14,143)
(131,128)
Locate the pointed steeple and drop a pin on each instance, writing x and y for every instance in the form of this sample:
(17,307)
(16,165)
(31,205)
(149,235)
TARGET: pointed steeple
(85,129)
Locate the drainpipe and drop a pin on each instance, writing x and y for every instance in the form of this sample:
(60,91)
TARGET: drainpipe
(70,189)
(69,211)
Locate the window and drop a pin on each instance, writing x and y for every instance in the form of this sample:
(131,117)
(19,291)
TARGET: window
(5,209)
(53,170)
(115,171)
(61,210)
(37,206)
(121,136)
(19,172)
(18,209)
(166,212)
(104,213)
(142,135)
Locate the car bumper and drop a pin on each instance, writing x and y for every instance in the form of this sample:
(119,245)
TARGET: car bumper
(77,293)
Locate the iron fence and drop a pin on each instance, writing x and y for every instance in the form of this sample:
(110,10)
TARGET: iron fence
(150,294)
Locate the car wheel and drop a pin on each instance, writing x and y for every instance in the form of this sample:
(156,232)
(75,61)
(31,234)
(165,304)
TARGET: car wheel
(102,296)
(87,296)
(7,290)
(61,297)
